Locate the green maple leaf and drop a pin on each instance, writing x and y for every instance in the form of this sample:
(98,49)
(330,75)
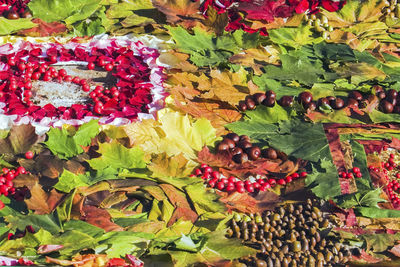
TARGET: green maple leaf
(368,198)
(293,37)
(380,242)
(68,181)
(65,145)
(116,156)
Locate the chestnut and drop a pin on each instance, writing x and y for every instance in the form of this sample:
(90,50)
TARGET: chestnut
(240,158)
(233,136)
(310,106)
(305,97)
(386,106)
(269,153)
(269,102)
(236,150)
(259,98)
(338,103)
(244,144)
(250,104)
(286,101)
(270,94)
(352,102)
(242,106)
(391,93)
(253,152)
(12,15)
(356,95)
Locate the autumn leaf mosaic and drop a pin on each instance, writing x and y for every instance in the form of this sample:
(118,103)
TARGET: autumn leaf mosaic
(199,133)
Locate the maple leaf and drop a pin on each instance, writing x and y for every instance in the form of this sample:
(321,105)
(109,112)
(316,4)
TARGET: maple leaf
(173,133)
(100,218)
(42,202)
(175,166)
(265,9)
(44,29)
(19,140)
(186,11)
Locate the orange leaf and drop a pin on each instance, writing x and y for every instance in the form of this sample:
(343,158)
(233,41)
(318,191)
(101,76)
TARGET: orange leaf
(179,10)
(248,204)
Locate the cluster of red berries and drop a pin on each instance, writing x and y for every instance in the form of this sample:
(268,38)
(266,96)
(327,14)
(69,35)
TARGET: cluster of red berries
(6,184)
(215,179)
(354,172)
(28,71)
(393,191)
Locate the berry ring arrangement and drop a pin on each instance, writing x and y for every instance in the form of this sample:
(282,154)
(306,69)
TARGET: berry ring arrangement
(199,133)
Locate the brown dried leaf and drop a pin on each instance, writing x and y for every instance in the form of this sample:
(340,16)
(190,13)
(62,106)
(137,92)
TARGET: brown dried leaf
(248,204)
(100,218)
(183,213)
(213,160)
(28,180)
(49,165)
(44,29)
(42,202)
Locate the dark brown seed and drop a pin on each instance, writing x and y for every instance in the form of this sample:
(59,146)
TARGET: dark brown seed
(269,102)
(244,138)
(330,98)
(242,106)
(391,93)
(259,98)
(260,263)
(229,142)
(270,94)
(323,101)
(305,97)
(392,100)
(396,109)
(253,152)
(12,15)
(310,106)
(381,95)
(223,146)
(338,103)
(356,95)
(234,137)
(386,106)
(269,153)
(240,158)
(286,101)
(244,144)
(236,150)
(351,102)
(250,103)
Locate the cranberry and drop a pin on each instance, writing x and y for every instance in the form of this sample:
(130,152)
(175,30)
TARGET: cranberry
(29,155)
(91,66)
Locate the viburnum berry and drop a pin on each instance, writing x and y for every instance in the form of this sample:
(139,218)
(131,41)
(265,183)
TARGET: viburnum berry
(12,62)
(198,172)
(203,166)
(215,174)
(288,179)
(91,66)
(108,67)
(356,169)
(220,185)
(29,155)
(358,174)
(249,188)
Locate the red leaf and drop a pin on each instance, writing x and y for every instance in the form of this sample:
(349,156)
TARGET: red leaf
(246,203)
(213,160)
(44,29)
(265,10)
(366,258)
(395,143)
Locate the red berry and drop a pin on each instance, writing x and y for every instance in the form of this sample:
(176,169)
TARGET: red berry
(91,66)
(76,80)
(86,87)
(249,188)
(203,166)
(398,175)
(343,174)
(215,175)
(220,185)
(349,175)
(12,62)
(101,62)
(390,168)
(267,185)
(358,174)
(198,172)
(2,205)
(28,85)
(356,169)
(288,179)
(231,179)
(206,175)
(256,185)
(230,184)
(272,181)
(240,190)
(211,183)
(230,188)
(62,72)
(108,67)
(21,66)
(224,180)
(208,169)
(281,182)
(29,155)
(303,174)
(67,78)
(295,175)
(30,229)
(385,147)
(192,176)
(391,156)
(239,184)
(5,170)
